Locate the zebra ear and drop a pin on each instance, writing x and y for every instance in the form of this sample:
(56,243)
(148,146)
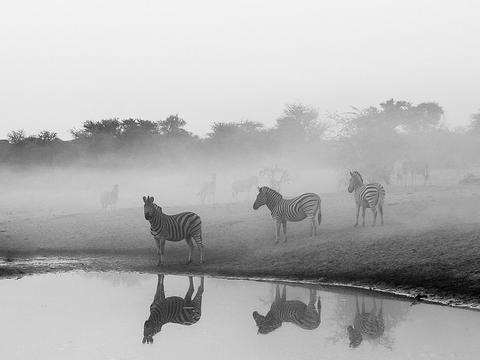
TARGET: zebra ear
(151,199)
(144,199)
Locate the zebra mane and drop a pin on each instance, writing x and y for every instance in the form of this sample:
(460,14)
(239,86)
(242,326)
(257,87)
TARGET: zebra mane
(356,173)
(270,191)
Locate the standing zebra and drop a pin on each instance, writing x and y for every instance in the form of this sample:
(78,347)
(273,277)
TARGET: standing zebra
(208,190)
(109,198)
(304,206)
(370,325)
(366,196)
(185,225)
(173,309)
(294,311)
(244,186)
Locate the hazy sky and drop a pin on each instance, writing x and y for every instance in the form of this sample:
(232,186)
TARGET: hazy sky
(63,62)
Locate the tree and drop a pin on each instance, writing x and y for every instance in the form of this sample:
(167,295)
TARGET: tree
(136,129)
(475,123)
(98,129)
(46,137)
(173,126)
(300,122)
(16,137)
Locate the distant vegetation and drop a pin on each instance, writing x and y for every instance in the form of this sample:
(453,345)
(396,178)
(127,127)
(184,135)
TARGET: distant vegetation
(376,135)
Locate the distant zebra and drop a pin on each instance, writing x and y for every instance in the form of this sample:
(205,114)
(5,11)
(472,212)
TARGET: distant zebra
(414,168)
(304,206)
(244,186)
(294,311)
(370,325)
(173,309)
(109,198)
(185,225)
(207,192)
(366,196)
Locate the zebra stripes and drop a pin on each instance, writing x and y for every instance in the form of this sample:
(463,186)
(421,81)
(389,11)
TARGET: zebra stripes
(185,225)
(172,309)
(293,311)
(366,196)
(304,206)
(370,325)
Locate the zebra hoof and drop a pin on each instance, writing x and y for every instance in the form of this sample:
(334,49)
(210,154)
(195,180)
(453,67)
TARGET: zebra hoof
(188,262)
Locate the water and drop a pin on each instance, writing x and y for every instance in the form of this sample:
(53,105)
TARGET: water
(102,315)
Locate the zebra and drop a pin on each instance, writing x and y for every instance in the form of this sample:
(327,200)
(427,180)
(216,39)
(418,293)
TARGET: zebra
(172,309)
(207,192)
(303,206)
(244,186)
(414,168)
(276,177)
(109,198)
(294,311)
(370,325)
(366,196)
(163,227)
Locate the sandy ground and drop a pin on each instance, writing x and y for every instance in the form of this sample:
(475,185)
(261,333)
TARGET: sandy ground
(430,243)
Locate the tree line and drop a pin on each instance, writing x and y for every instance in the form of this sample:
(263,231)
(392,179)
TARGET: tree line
(374,136)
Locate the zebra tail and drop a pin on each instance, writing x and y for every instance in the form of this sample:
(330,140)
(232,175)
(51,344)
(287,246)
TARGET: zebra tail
(319,215)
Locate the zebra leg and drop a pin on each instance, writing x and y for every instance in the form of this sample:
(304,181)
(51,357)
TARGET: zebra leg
(188,239)
(162,251)
(380,208)
(284,293)
(157,242)
(374,210)
(198,241)
(277,232)
(363,216)
(160,293)
(358,213)
(188,295)
(284,223)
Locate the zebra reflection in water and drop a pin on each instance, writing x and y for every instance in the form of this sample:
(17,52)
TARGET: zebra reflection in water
(370,325)
(294,311)
(172,309)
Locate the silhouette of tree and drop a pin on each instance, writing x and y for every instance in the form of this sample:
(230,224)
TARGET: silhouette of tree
(173,126)
(475,123)
(300,122)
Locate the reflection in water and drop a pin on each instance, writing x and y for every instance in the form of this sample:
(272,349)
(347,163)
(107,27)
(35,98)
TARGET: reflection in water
(370,325)
(173,309)
(293,311)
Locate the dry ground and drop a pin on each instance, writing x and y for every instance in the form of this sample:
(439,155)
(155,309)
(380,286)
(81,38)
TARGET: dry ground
(431,241)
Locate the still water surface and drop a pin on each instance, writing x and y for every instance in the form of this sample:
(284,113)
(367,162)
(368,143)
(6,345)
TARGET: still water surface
(143,316)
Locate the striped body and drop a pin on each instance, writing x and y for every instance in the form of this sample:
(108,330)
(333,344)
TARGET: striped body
(307,205)
(369,325)
(293,311)
(185,225)
(366,196)
(174,309)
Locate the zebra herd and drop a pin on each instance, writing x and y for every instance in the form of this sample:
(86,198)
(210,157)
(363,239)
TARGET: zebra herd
(188,225)
(307,316)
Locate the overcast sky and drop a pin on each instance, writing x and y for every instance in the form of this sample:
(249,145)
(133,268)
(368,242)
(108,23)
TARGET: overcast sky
(63,62)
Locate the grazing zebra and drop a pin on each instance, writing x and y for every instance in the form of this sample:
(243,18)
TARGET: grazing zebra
(370,325)
(207,192)
(366,196)
(185,225)
(109,198)
(172,309)
(276,177)
(244,186)
(304,206)
(294,311)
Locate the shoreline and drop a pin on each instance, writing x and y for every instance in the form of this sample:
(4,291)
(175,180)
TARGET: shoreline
(30,265)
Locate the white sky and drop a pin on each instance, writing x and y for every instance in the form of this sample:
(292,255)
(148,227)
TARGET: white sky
(63,62)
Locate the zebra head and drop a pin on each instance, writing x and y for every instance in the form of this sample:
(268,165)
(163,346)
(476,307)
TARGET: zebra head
(149,330)
(261,198)
(149,207)
(356,180)
(267,323)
